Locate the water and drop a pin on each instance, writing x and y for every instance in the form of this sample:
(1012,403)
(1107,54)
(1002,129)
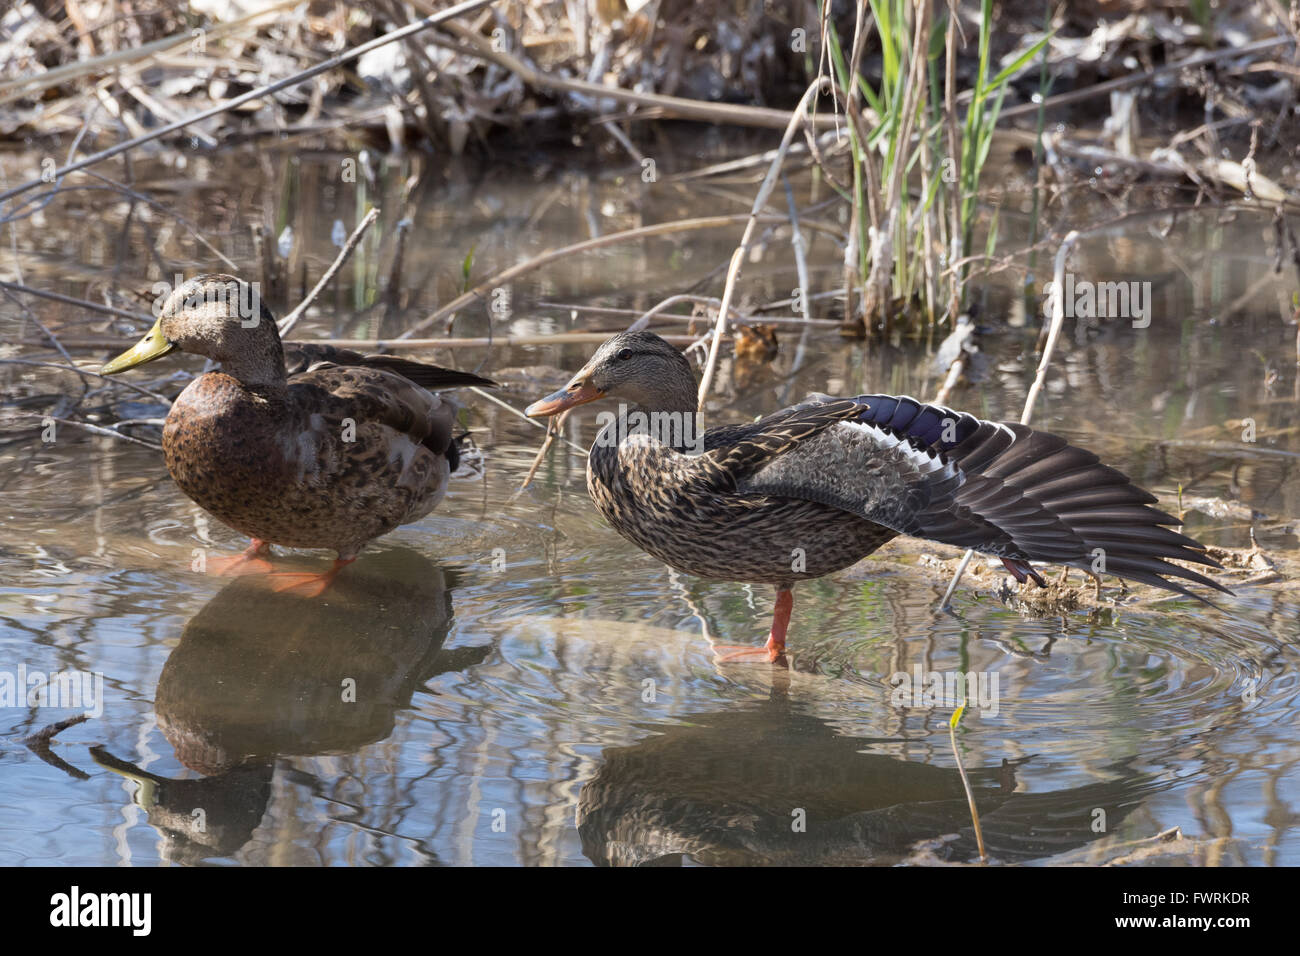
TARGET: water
(509,682)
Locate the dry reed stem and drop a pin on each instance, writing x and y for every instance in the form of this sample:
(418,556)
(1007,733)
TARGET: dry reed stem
(765,190)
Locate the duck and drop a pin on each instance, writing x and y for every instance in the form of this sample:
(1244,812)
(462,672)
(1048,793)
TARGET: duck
(302,445)
(818,486)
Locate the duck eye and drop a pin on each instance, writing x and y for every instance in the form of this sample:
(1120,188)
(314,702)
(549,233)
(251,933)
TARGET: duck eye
(624,355)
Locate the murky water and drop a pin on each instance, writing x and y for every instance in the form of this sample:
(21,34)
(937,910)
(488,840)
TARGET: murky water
(508,681)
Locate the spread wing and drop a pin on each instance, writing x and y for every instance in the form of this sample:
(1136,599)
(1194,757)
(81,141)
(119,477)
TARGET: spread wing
(943,475)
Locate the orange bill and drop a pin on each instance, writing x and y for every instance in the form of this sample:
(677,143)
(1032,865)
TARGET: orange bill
(571,396)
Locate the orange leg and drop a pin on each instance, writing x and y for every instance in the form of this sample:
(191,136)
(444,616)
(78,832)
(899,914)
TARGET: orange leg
(251,561)
(774,650)
(306,583)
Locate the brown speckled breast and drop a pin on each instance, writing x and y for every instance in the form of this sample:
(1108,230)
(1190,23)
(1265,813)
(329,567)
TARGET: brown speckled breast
(676,513)
(276,467)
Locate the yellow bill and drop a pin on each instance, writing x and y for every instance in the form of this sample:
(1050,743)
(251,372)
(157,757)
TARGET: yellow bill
(154,345)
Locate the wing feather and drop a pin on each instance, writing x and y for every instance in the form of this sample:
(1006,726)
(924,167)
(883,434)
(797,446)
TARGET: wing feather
(943,475)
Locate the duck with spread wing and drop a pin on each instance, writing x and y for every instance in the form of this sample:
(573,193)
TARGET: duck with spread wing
(816,487)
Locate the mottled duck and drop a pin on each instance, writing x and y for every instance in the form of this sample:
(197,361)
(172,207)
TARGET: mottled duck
(816,487)
(306,446)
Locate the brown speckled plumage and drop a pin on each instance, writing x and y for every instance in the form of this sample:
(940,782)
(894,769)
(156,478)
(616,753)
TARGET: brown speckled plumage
(330,452)
(686,511)
(816,487)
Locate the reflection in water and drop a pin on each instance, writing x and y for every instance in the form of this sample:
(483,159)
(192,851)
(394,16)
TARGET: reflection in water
(94,549)
(769,784)
(259,674)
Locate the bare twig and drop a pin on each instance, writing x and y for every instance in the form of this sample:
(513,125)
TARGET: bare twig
(1057,307)
(414,345)
(93,374)
(79,303)
(711,301)
(39,744)
(673,107)
(1146,76)
(290,320)
(43,736)
(518,414)
(715,343)
(96,429)
(554,427)
(644,320)
(800,248)
(554,255)
(31,84)
(831,138)
(798,117)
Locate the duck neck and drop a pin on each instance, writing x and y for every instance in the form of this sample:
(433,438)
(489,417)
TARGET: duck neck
(661,406)
(674,392)
(672,423)
(260,369)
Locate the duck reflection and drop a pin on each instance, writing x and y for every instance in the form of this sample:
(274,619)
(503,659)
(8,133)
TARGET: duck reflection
(733,788)
(258,675)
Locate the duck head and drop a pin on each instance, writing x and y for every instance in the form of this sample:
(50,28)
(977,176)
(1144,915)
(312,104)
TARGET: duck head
(639,368)
(219,317)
